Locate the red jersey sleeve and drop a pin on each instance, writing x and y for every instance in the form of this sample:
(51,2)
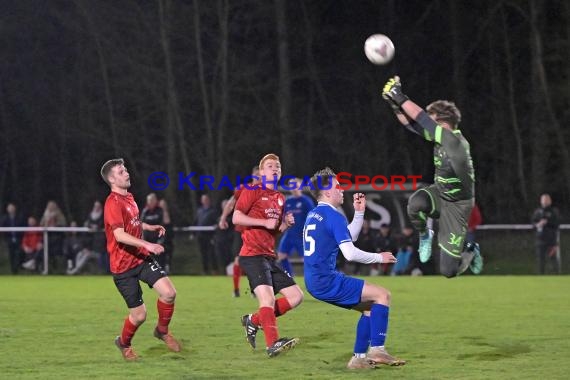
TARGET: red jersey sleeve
(246,200)
(237,192)
(113,215)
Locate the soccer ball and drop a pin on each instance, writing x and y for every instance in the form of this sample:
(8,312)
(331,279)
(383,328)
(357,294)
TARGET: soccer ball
(379,49)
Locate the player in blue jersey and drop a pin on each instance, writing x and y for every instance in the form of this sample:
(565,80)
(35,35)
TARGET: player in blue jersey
(325,232)
(299,205)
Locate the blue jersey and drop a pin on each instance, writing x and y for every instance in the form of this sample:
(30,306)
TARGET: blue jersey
(300,207)
(325,229)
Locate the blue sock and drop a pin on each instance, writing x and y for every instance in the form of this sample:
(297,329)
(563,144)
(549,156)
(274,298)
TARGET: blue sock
(378,324)
(362,335)
(286,265)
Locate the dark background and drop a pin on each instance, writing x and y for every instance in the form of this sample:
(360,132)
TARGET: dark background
(211,86)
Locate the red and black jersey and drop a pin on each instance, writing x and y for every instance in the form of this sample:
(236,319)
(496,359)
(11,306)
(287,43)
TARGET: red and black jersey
(121,211)
(260,203)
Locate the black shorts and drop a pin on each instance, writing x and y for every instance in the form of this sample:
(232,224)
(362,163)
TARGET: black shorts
(127,282)
(262,270)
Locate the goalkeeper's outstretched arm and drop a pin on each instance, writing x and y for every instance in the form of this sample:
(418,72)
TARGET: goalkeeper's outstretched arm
(412,116)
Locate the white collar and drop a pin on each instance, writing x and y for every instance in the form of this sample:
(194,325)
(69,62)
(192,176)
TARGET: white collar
(326,204)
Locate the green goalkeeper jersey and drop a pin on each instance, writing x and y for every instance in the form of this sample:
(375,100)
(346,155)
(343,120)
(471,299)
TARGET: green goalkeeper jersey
(454,174)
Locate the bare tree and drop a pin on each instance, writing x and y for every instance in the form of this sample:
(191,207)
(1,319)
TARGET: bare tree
(284,84)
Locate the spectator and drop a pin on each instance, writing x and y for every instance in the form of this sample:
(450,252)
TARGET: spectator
(153,215)
(223,240)
(168,238)
(545,220)
(475,219)
(33,246)
(95,241)
(53,217)
(406,244)
(384,242)
(93,244)
(206,216)
(13,239)
(75,251)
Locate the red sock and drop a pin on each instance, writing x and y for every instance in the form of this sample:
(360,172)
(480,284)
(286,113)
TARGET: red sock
(269,325)
(255,319)
(165,311)
(282,306)
(129,329)
(237,274)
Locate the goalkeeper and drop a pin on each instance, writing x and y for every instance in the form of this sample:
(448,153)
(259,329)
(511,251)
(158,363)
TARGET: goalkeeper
(452,196)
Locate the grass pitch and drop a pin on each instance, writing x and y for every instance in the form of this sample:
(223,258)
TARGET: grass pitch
(467,328)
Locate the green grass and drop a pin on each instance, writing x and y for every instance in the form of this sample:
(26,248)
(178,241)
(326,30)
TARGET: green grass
(467,328)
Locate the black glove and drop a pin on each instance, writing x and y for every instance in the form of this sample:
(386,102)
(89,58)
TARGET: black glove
(395,108)
(393,91)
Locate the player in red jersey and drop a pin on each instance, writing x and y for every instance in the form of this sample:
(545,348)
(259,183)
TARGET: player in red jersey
(236,241)
(132,260)
(260,211)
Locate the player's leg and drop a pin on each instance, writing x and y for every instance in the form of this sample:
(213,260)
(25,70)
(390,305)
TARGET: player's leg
(424,204)
(156,278)
(284,284)
(128,285)
(283,251)
(361,344)
(258,272)
(292,296)
(457,255)
(375,302)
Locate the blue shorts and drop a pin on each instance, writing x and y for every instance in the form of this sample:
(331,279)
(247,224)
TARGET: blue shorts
(289,244)
(343,291)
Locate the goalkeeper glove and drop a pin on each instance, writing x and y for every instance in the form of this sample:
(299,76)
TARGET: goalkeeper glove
(393,91)
(395,108)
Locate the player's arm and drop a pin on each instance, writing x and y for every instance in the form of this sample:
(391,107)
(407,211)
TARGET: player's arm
(351,253)
(128,239)
(413,126)
(412,116)
(359,202)
(408,123)
(243,206)
(287,222)
(228,208)
(242,219)
(155,228)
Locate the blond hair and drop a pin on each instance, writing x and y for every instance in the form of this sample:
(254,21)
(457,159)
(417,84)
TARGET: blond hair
(269,156)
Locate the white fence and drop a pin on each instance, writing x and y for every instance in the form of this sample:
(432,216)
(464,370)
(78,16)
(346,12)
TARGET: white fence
(47,230)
